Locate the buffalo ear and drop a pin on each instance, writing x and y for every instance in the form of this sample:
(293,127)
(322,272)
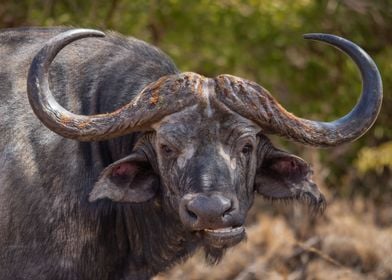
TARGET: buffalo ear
(130,179)
(285,176)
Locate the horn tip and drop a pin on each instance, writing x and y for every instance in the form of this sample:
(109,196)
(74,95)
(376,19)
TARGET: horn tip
(315,36)
(329,38)
(86,32)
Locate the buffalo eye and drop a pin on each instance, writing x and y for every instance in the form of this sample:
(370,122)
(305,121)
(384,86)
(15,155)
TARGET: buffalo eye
(167,151)
(247,149)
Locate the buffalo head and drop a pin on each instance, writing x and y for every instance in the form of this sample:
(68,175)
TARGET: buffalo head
(203,151)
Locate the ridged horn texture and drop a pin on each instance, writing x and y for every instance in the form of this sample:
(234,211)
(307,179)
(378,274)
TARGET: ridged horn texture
(172,93)
(254,102)
(138,115)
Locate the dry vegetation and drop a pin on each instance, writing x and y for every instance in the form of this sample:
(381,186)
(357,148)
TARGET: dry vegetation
(351,240)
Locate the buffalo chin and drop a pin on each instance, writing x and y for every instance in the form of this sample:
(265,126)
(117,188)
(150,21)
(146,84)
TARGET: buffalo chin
(218,240)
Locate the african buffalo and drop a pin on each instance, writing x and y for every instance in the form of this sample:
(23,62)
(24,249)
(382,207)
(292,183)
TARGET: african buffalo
(151,164)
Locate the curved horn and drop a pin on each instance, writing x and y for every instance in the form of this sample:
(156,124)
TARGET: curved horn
(255,103)
(137,115)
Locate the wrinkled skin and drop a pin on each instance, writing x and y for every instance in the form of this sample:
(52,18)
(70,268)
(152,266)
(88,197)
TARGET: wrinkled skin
(209,161)
(132,206)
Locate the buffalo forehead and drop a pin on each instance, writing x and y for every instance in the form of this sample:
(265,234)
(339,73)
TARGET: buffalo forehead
(194,122)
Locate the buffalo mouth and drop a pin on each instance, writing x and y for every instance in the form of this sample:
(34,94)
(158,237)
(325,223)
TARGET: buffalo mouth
(224,237)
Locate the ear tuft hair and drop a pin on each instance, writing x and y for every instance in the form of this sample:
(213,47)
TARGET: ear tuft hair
(130,179)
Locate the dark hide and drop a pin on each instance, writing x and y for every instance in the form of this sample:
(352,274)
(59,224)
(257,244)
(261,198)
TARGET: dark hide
(48,229)
(109,210)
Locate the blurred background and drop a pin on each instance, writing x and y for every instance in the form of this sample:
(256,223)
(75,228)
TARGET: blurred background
(262,41)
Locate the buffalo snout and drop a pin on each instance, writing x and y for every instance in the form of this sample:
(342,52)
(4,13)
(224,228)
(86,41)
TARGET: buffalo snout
(209,211)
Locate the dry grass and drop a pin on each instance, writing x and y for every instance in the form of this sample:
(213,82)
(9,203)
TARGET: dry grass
(347,242)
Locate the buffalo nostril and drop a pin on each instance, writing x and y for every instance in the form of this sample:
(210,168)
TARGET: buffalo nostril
(191,214)
(228,212)
(226,206)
